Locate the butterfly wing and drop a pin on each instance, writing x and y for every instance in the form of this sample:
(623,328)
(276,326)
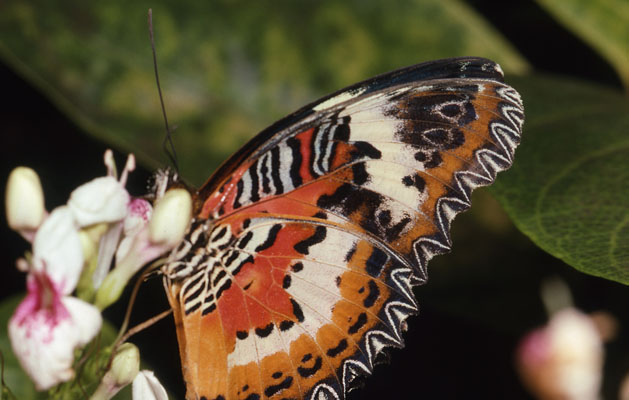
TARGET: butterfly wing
(297,271)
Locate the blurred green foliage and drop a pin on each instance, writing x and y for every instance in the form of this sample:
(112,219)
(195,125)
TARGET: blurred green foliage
(602,24)
(228,68)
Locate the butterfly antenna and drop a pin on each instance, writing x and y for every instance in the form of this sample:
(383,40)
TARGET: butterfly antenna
(167,144)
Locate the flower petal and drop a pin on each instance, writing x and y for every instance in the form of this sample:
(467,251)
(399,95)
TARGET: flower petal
(563,359)
(147,387)
(44,338)
(102,199)
(86,319)
(24,200)
(106,250)
(171,217)
(57,250)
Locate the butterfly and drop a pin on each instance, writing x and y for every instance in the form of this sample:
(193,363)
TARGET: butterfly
(296,274)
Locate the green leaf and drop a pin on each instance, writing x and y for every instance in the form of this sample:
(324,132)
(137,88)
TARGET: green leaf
(568,189)
(604,24)
(227,71)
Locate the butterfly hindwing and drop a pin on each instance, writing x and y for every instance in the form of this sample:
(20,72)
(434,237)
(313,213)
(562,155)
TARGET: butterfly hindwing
(298,269)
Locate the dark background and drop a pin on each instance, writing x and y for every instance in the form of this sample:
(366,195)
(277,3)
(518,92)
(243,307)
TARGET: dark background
(462,343)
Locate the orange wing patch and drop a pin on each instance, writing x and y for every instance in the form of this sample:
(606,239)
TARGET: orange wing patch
(297,273)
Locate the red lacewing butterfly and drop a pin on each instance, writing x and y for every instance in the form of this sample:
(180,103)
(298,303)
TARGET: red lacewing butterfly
(296,273)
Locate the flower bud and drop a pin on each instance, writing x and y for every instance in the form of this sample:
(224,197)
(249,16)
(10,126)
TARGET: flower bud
(24,200)
(171,217)
(126,364)
(124,368)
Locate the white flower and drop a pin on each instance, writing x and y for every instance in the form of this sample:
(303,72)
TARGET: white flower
(145,239)
(57,250)
(104,201)
(48,324)
(563,359)
(100,200)
(147,387)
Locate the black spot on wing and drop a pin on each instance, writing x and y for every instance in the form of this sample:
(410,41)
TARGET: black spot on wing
(306,372)
(318,237)
(266,331)
(298,266)
(286,325)
(270,239)
(320,215)
(376,262)
(372,296)
(350,253)
(338,349)
(359,172)
(286,282)
(366,149)
(360,322)
(297,311)
(274,389)
(341,133)
(242,335)
(416,181)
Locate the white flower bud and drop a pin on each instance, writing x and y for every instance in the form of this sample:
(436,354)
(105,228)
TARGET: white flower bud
(124,368)
(171,217)
(24,200)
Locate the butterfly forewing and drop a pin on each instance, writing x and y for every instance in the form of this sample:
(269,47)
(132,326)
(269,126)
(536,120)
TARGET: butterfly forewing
(297,272)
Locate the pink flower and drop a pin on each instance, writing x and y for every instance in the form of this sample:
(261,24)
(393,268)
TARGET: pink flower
(564,359)
(101,221)
(49,324)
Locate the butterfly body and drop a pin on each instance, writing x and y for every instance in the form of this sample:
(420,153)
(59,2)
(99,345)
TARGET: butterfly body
(297,271)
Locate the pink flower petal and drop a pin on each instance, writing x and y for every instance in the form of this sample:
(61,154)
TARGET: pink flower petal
(46,328)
